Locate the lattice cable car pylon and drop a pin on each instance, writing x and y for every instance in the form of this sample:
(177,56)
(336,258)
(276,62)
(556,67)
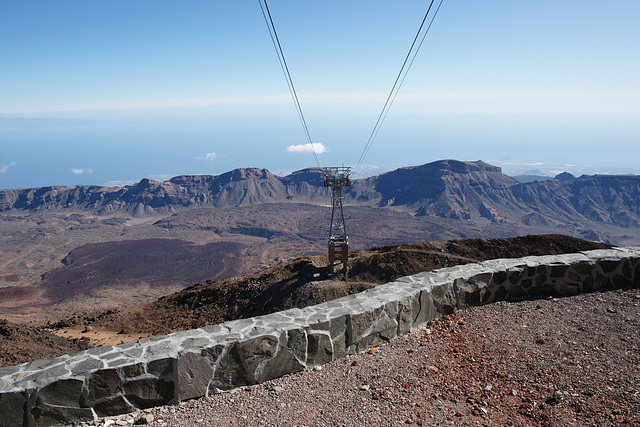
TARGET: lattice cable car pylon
(336,178)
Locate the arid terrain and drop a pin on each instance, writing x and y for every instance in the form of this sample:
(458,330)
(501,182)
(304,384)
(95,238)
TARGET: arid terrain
(294,283)
(64,249)
(88,266)
(55,263)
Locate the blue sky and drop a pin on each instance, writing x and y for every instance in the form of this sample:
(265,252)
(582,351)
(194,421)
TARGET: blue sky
(111,92)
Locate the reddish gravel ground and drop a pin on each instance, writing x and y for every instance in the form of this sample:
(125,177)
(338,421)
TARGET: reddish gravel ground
(551,362)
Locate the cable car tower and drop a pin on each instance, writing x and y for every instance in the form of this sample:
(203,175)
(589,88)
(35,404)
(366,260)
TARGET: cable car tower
(336,178)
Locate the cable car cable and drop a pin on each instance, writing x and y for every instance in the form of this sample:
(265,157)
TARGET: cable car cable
(399,80)
(285,69)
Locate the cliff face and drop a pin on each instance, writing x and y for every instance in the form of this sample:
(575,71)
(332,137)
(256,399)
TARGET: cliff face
(448,189)
(453,189)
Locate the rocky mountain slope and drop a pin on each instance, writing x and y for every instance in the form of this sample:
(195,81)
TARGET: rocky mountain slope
(473,191)
(446,189)
(240,187)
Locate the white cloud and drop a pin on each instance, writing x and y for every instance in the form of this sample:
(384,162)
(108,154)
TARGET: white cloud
(81,171)
(209,157)
(5,168)
(318,147)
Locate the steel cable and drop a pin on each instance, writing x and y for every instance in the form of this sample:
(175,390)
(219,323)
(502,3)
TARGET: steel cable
(402,74)
(285,69)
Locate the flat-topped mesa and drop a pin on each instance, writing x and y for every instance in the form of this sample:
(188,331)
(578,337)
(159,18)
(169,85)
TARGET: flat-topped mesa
(457,166)
(244,174)
(185,365)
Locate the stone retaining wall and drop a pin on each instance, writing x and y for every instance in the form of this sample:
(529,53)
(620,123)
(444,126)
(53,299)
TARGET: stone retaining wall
(185,365)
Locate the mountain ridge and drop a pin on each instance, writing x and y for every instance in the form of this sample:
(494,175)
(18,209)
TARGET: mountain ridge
(475,191)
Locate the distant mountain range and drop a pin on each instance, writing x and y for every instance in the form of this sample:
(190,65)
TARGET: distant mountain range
(474,191)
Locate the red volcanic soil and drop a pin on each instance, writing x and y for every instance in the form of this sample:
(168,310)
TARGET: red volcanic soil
(17,293)
(22,343)
(156,262)
(10,278)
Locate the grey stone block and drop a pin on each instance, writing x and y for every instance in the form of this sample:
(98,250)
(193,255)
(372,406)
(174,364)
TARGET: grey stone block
(195,343)
(165,347)
(340,335)
(230,371)
(118,363)
(284,362)
(161,367)
(444,298)
(471,291)
(213,353)
(49,415)
(405,313)
(514,276)
(583,268)
(558,271)
(384,329)
(134,352)
(43,376)
(255,351)
(101,385)
(97,351)
(608,265)
(132,371)
(194,375)
(361,322)
(297,342)
(320,350)
(148,392)
(87,365)
(116,405)
(424,309)
(12,408)
(44,363)
(66,393)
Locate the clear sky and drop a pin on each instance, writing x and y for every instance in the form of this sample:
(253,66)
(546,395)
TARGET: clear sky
(95,92)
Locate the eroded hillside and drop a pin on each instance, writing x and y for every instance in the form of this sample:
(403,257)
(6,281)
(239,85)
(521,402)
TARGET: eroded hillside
(304,281)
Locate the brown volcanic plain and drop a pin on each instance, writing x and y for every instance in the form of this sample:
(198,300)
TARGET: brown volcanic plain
(76,261)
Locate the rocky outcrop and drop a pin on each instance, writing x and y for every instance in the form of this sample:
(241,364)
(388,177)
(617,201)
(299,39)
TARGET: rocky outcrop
(190,364)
